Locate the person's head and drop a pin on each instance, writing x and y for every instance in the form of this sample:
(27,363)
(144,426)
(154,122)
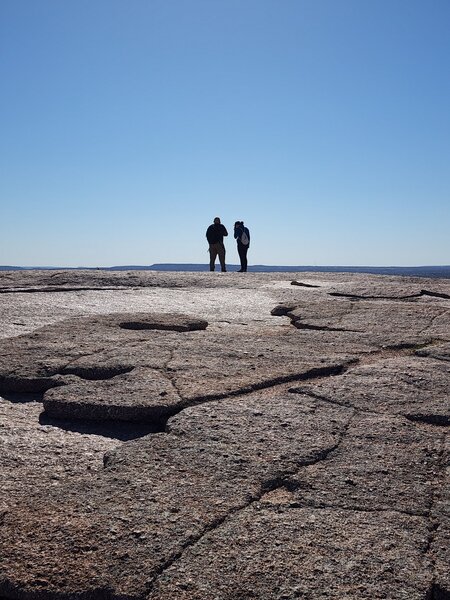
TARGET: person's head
(237,224)
(216,221)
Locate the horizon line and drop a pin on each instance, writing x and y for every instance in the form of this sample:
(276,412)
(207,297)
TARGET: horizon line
(205,265)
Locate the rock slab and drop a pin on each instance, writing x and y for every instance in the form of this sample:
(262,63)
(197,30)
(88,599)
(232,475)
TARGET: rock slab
(155,455)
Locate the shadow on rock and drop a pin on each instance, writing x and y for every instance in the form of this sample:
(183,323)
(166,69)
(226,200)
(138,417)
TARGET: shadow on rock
(119,430)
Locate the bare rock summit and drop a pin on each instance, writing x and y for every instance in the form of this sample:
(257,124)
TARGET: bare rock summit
(196,436)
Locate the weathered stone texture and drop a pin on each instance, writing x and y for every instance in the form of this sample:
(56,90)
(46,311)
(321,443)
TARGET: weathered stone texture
(36,456)
(438,351)
(285,552)
(384,463)
(159,494)
(227,454)
(140,395)
(149,372)
(417,388)
(440,545)
(387,324)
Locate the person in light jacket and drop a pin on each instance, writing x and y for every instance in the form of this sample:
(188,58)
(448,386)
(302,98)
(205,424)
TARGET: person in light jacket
(242,236)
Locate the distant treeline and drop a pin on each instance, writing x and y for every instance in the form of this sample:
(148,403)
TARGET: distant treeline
(429,271)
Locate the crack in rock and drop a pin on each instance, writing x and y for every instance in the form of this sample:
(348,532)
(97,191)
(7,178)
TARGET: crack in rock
(434,294)
(95,373)
(199,572)
(142,325)
(435,351)
(299,325)
(282,552)
(438,593)
(62,289)
(266,488)
(302,284)
(263,493)
(439,420)
(393,298)
(310,374)
(401,385)
(439,518)
(117,430)
(115,373)
(139,394)
(25,386)
(367,325)
(68,401)
(289,499)
(157,495)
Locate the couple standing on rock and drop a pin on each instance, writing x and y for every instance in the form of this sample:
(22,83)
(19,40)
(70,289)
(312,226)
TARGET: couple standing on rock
(215,234)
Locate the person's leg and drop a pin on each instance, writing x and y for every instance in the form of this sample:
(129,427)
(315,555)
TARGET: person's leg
(212,256)
(244,259)
(241,252)
(221,253)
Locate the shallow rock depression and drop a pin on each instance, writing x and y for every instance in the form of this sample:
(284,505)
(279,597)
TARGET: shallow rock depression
(224,436)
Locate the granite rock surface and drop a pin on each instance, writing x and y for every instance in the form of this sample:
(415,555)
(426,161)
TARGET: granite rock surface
(220,436)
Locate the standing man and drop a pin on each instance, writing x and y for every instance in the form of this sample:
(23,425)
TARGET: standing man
(242,236)
(215,234)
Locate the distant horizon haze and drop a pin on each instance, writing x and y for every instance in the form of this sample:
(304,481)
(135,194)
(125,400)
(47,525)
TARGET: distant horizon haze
(436,271)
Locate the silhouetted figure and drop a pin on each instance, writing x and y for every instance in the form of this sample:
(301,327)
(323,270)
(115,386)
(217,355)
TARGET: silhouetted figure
(215,234)
(242,235)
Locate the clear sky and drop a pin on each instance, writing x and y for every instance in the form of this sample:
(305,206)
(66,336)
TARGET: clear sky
(128,125)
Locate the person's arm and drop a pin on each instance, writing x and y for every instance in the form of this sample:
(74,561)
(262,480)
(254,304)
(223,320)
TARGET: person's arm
(236,233)
(225,232)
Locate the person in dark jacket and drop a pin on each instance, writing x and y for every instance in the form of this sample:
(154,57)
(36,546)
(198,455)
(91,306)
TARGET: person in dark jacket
(215,234)
(242,236)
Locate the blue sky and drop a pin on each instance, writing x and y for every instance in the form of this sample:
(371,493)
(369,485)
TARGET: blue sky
(127,126)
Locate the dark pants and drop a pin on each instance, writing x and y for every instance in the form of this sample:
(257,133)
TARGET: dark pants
(214,250)
(242,250)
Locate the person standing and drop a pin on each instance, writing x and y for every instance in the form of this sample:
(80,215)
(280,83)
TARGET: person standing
(215,234)
(242,236)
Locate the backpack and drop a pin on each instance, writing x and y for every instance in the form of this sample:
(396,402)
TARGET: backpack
(244,239)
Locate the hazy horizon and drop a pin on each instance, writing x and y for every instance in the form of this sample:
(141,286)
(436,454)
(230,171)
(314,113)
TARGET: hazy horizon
(231,264)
